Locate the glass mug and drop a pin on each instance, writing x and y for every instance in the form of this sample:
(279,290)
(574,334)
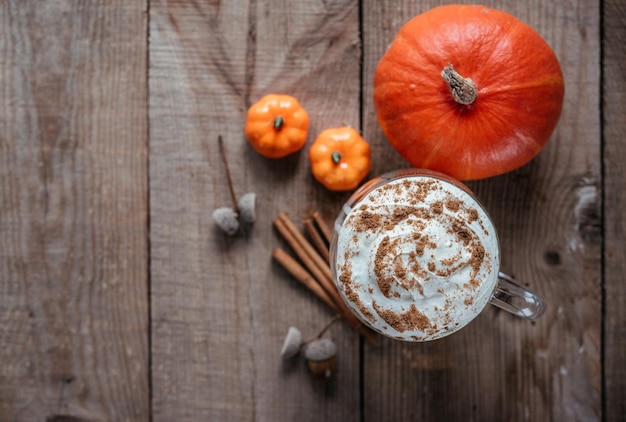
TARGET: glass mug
(416,257)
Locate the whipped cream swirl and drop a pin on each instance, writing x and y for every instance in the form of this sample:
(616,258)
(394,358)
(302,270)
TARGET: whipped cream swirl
(416,258)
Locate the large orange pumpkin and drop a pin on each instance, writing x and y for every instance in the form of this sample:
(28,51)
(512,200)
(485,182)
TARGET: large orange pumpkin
(469,91)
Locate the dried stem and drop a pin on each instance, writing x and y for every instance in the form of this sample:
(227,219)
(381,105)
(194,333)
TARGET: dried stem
(228,178)
(330,324)
(326,328)
(463,90)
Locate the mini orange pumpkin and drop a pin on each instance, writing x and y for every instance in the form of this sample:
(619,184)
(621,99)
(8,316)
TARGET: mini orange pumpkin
(469,91)
(340,158)
(277,125)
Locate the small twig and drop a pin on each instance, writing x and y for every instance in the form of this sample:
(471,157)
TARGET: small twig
(326,328)
(229,179)
(330,324)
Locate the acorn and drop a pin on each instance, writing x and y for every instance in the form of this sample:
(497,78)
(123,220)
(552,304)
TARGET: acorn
(292,343)
(321,357)
(226,219)
(246,207)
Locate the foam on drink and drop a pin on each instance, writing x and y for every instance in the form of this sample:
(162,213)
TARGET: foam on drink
(416,258)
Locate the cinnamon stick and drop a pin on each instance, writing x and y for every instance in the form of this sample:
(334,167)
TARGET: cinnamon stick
(302,275)
(318,261)
(308,262)
(317,239)
(322,226)
(320,270)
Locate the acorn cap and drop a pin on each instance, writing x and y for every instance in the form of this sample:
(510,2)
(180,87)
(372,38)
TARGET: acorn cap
(246,207)
(321,357)
(226,219)
(324,368)
(320,349)
(292,343)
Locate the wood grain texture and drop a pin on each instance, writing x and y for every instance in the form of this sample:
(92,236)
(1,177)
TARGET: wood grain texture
(548,218)
(221,307)
(614,125)
(73,210)
(81,183)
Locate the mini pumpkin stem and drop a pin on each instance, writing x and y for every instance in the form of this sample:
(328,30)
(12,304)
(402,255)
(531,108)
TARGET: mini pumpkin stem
(336,156)
(279,121)
(463,90)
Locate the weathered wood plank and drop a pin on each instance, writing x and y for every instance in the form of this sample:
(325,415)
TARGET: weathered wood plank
(548,218)
(73,210)
(614,126)
(220,307)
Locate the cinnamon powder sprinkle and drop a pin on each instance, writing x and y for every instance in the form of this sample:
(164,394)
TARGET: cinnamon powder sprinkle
(423,275)
(472,285)
(354,298)
(401,214)
(401,274)
(412,319)
(367,221)
(449,261)
(451,269)
(453,204)
(346,280)
(472,215)
(478,256)
(420,246)
(463,234)
(384,283)
(437,207)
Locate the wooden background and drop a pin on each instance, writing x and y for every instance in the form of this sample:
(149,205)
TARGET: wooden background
(120,301)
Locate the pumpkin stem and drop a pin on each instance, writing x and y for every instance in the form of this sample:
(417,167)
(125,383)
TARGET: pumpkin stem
(336,156)
(279,122)
(463,90)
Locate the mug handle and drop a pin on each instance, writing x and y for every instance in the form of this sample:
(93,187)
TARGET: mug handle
(516,299)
